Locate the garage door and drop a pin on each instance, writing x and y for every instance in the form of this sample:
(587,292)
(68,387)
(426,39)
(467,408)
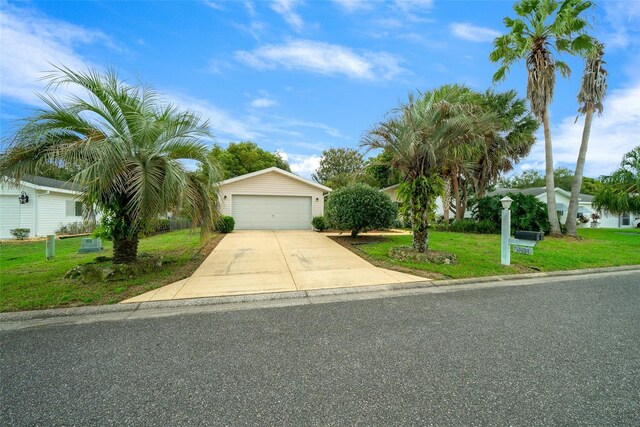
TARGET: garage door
(271,212)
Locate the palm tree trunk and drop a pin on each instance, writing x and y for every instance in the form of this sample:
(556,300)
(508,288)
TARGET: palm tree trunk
(456,192)
(125,249)
(446,199)
(420,219)
(576,185)
(549,179)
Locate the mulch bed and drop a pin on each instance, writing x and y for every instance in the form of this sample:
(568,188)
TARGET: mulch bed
(353,243)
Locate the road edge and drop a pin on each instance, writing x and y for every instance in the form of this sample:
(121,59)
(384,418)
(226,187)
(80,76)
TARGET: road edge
(214,301)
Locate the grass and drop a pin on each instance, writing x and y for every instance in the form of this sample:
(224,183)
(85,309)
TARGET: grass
(28,281)
(479,254)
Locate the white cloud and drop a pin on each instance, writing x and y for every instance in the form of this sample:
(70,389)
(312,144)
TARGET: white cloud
(623,18)
(303,165)
(213,4)
(322,58)
(414,5)
(31,43)
(612,135)
(466,31)
(286,9)
(263,103)
(354,5)
(222,123)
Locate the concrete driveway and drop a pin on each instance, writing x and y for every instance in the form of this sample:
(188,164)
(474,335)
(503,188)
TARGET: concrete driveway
(250,262)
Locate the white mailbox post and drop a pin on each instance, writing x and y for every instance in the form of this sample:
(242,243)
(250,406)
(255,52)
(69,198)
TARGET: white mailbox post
(505,234)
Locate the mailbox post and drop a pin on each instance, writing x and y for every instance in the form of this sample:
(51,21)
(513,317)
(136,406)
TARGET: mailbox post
(505,234)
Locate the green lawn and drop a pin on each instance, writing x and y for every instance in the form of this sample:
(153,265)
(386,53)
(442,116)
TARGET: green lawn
(28,281)
(479,254)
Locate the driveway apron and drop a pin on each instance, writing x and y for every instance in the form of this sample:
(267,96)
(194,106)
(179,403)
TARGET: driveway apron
(252,262)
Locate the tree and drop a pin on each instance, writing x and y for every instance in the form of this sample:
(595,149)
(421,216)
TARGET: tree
(527,212)
(542,25)
(511,140)
(563,178)
(240,158)
(418,136)
(359,207)
(592,92)
(131,148)
(339,167)
(378,173)
(620,193)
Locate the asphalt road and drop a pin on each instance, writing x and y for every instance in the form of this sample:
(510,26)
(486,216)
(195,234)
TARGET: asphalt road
(547,354)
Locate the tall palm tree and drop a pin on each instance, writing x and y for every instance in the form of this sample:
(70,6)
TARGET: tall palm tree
(510,141)
(131,149)
(592,92)
(418,137)
(542,25)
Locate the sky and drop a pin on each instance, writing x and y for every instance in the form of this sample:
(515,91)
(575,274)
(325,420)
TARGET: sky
(301,76)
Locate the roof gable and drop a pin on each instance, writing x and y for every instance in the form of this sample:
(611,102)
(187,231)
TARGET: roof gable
(276,170)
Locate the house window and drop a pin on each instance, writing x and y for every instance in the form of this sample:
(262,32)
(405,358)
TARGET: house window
(625,219)
(74,208)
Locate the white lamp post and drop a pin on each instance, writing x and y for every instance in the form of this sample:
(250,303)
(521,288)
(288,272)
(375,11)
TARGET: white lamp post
(505,253)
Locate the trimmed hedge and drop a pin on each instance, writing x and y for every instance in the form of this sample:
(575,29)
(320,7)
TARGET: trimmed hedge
(358,208)
(225,224)
(319,223)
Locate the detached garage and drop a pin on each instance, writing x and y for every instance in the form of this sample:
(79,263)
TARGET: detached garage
(272,199)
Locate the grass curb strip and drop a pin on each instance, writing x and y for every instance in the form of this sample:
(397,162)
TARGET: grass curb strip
(116,308)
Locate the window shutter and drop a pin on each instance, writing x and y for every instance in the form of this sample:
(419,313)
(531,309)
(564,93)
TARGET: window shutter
(70,207)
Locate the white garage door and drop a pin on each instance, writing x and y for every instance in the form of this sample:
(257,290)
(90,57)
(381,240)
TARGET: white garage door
(271,212)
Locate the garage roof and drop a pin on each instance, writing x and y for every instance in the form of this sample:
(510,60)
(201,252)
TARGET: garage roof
(277,170)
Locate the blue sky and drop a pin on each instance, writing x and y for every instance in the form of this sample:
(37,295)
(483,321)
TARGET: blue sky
(303,76)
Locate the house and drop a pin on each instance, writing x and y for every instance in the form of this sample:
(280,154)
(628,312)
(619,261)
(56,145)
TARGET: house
(40,204)
(392,192)
(271,199)
(584,206)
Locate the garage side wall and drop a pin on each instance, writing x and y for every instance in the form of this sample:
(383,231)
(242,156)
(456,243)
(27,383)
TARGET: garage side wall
(271,184)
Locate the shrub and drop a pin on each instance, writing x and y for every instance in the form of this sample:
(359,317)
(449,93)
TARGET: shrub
(76,228)
(527,212)
(225,224)
(358,208)
(319,223)
(472,226)
(20,233)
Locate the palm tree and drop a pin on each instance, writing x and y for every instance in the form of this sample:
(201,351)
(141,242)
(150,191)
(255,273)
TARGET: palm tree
(542,25)
(131,148)
(418,137)
(620,193)
(592,92)
(512,138)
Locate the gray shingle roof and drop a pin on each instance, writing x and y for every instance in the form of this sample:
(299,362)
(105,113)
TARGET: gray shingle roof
(50,182)
(534,191)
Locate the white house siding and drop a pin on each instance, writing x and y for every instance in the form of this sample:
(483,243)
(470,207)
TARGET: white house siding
(271,184)
(392,192)
(53,212)
(43,214)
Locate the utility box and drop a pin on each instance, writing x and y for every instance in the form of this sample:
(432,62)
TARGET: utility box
(50,250)
(90,245)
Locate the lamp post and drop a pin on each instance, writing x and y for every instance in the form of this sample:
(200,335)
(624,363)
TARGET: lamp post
(505,253)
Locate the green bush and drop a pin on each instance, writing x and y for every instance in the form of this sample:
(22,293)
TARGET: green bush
(225,224)
(358,208)
(527,212)
(473,226)
(319,223)
(76,228)
(20,233)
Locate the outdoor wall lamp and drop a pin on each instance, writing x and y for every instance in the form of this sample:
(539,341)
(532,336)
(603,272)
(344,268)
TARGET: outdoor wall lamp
(224,197)
(23,198)
(317,199)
